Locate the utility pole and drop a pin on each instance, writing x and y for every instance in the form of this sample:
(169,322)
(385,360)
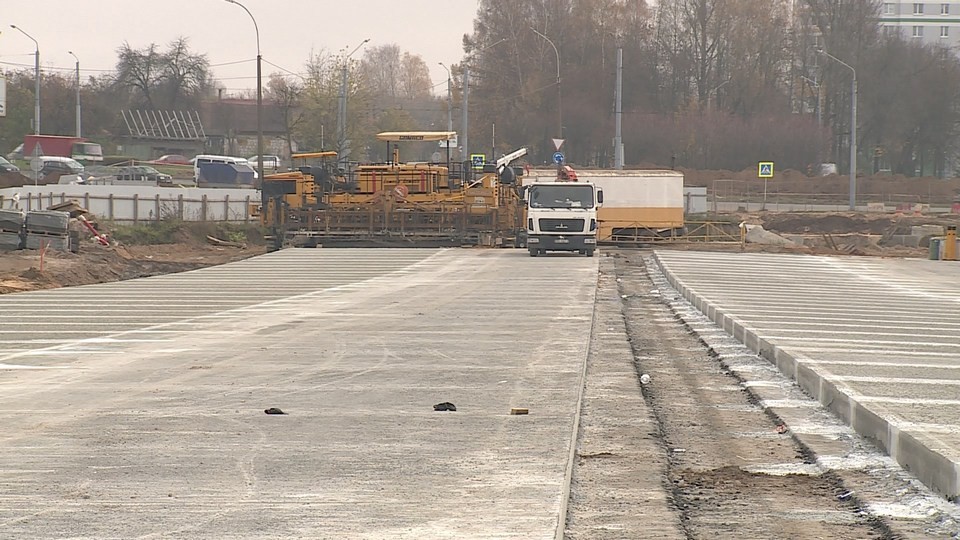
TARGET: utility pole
(36,73)
(618,139)
(466,117)
(559,93)
(78,91)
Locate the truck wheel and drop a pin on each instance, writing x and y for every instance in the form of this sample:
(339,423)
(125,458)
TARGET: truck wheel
(534,252)
(589,253)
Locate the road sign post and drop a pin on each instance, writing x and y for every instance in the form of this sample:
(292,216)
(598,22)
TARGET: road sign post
(765,171)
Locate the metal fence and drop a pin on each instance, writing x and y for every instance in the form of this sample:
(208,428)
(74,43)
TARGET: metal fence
(136,208)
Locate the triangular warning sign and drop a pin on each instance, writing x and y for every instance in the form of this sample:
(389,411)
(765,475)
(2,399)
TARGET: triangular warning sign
(557,143)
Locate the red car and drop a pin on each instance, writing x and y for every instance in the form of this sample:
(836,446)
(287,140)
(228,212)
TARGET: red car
(171,159)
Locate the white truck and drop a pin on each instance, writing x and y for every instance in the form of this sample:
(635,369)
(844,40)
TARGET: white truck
(562,216)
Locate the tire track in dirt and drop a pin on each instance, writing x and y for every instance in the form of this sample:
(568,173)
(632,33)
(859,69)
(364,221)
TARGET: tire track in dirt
(731,469)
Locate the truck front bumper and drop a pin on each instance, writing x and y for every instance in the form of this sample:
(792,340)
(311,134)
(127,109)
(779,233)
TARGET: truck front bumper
(561,242)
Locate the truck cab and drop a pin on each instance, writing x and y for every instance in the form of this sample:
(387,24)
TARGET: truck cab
(562,216)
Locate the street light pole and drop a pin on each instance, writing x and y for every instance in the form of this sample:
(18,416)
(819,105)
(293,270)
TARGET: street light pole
(449,111)
(342,110)
(259,93)
(465,121)
(36,92)
(78,91)
(853,129)
(559,93)
(449,99)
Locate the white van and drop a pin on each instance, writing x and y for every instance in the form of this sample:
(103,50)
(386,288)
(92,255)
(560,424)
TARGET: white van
(209,158)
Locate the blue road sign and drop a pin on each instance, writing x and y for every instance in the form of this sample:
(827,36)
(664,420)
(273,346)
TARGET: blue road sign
(558,158)
(477,160)
(765,169)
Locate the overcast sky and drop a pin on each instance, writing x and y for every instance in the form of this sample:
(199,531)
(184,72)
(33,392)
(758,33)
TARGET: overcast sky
(289,30)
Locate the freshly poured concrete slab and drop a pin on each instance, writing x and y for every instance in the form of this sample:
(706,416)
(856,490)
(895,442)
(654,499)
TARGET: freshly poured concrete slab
(873,339)
(149,422)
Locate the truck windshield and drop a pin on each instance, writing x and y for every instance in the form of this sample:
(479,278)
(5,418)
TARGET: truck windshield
(561,196)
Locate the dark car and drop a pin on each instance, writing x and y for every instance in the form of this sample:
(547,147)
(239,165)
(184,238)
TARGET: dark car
(6,166)
(142,173)
(171,159)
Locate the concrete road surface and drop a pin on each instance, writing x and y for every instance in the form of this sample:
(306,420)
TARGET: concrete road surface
(136,409)
(875,340)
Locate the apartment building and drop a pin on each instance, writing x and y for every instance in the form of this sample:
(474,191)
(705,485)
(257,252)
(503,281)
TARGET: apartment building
(932,23)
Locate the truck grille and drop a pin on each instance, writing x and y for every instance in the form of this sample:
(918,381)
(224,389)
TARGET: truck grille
(561,225)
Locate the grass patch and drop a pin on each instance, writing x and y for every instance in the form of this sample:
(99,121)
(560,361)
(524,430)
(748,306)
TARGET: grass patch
(180,232)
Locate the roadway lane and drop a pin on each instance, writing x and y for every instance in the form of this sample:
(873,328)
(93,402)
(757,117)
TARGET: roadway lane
(135,409)
(875,340)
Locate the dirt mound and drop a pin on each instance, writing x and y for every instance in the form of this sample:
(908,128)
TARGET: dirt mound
(827,223)
(20,271)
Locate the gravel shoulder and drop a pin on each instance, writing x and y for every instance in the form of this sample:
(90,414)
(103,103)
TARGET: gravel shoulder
(717,443)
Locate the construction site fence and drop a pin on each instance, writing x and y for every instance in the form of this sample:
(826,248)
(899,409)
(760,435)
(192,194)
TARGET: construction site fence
(692,232)
(137,208)
(732,197)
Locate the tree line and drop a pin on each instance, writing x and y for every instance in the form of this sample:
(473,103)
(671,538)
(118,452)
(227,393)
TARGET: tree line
(387,89)
(707,84)
(716,84)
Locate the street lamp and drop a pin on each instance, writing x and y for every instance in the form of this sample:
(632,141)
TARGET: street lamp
(449,99)
(853,129)
(78,90)
(342,110)
(465,121)
(259,94)
(36,92)
(559,93)
(449,110)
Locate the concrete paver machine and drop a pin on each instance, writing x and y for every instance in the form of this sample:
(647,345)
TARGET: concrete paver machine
(415,204)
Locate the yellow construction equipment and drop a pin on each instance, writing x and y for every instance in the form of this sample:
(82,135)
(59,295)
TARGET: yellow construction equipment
(414,204)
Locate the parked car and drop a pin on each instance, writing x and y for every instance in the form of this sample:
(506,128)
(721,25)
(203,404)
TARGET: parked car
(171,159)
(144,173)
(6,166)
(49,167)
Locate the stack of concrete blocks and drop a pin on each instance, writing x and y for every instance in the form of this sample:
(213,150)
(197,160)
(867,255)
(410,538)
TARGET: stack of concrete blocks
(11,230)
(47,227)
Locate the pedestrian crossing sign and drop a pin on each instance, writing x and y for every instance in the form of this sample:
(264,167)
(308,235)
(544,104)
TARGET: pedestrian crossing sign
(766,169)
(477,161)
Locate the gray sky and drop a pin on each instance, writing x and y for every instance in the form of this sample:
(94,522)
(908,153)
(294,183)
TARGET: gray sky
(289,30)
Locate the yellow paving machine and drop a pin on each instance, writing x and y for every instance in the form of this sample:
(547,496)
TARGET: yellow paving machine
(420,204)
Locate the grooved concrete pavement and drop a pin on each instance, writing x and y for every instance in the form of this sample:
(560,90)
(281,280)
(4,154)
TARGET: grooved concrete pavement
(875,340)
(135,409)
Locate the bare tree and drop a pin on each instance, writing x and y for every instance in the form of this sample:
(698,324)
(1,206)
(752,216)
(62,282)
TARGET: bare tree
(173,79)
(287,95)
(141,71)
(185,74)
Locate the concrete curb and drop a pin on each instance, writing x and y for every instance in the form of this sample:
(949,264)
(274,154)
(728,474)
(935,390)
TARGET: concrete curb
(910,450)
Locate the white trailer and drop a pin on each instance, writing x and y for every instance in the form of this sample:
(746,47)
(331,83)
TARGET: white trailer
(637,203)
